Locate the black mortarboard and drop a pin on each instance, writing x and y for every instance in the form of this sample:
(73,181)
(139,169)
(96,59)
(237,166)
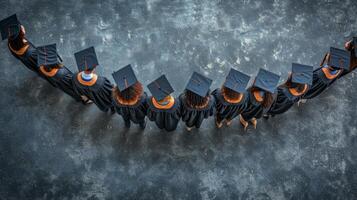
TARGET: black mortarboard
(236,81)
(125,77)
(86,59)
(199,84)
(302,73)
(266,80)
(47,55)
(10,27)
(160,88)
(339,58)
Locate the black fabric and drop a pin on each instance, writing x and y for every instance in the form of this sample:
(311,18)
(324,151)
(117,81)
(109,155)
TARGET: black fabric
(194,117)
(47,55)
(167,119)
(284,101)
(199,84)
(124,77)
(319,84)
(10,27)
(225,110)
(135,113)
(254,108)
(29,58)
(63,81)
(86,59)
(100,93)
(266,80)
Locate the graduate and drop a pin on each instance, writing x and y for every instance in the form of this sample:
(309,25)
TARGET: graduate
(57,74)
(90,86)
(351,47)
(196,102)
(163,108)
(18,45)
(333,65)
(129,98)
(289,93)
(261,96)
(231,98)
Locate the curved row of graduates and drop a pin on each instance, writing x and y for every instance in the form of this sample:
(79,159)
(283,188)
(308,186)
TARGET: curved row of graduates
(263,98)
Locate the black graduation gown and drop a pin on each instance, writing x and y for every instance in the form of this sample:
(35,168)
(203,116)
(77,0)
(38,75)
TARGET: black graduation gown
(164,118)
(135,113)
(29,58)
(226,110)
(283,102)
(63,80)
(319,84)
(100,93)
(194,117)
(254,108)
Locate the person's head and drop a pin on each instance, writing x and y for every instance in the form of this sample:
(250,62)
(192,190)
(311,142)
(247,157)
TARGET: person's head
(129,95)
(195,100)
(18,42)
(297,86)
(267,96)
(230,94)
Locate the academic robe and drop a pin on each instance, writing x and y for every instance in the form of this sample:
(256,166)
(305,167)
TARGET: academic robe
(320,83)
(195,116)
(61,78)
(164,118)
(284,101)
(100,92)
(28,56)
(254,108)
(226,110)
(135,113)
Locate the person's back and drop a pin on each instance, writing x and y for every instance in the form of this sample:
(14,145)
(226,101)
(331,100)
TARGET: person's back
(129,98)
(18,45)
(55,72)
(90,86)
(333,65)
(163,108)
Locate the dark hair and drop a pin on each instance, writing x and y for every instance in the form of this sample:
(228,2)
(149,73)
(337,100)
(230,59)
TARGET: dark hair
(267,99)
(194,100)
(230,94)
(130,95)
(18,42)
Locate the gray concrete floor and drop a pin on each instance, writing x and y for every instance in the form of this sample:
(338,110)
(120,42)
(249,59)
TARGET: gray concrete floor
(54,148)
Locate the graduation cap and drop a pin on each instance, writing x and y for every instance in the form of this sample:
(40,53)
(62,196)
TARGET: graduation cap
(160,88)
(199,84)
(339,58)
(266,80)
(47,55)
(124,77)
(236,81)
(10,27)
(86,59)
(302,73)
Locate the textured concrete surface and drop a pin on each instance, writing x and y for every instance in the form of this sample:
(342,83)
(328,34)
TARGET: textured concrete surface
(54,148)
